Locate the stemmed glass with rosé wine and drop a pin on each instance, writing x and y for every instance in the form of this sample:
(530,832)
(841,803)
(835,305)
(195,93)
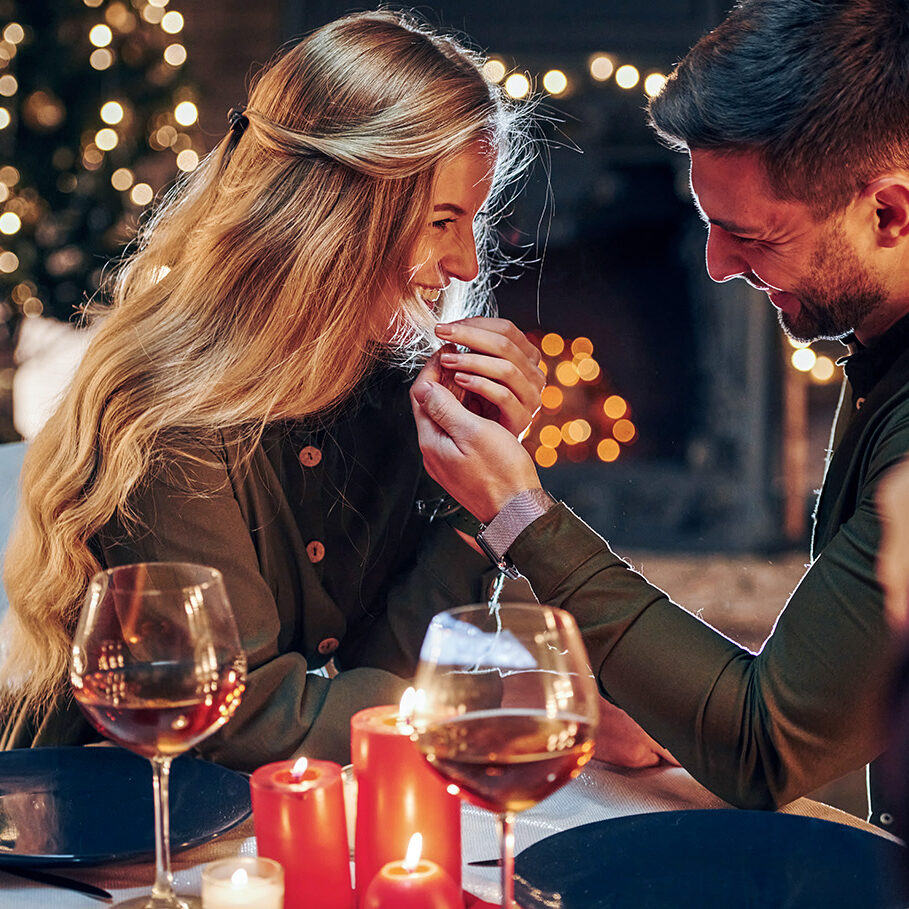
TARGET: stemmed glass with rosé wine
(505,708)
(157,666)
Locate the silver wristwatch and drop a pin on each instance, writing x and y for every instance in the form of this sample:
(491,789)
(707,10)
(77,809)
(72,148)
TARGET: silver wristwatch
(520,511)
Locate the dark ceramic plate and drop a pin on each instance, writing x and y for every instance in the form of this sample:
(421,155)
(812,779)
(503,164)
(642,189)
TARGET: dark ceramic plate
(707,859)
(61,806)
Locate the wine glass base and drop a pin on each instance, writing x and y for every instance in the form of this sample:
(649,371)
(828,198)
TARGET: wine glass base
(148,902)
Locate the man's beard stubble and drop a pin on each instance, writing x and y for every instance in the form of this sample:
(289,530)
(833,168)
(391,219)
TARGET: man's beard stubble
(838,296)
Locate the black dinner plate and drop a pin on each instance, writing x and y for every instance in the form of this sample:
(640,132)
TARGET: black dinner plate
(71,805)
(706,859)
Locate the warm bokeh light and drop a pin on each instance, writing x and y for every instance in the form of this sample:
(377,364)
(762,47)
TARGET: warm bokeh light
(579,430)
(544,367)
(106,139)
(582,345)
(112,112)
(101,35)
(555,82)
(172,22)
(92,4)
(175,54)
(10,223)
(552,397)
(551,436)
(653,84)
(32,307)
(8,85)
(545,457)
(101,58)
(552,344)
(588,369)
(627,76)
(797,344)
(9,262)
(122,178)
(152,14)
(823,369)
(142,194)
(608,450)
(186,113)
(601,67)
(494,70)
(804,359)
(161,3)
(187,160)
(624,430)
(567,373)
(4,118)
(517,85)
(9,175)
(565,432)
(615,407)
(92,156)
(14,33)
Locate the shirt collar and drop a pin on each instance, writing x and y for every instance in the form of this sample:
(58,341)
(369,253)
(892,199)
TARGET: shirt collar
(866,366)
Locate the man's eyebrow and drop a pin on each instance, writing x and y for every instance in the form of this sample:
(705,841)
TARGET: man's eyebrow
(732,228)
(451,207)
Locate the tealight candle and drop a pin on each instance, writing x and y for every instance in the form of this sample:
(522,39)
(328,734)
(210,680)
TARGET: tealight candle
(412,884)
(243,883)
(298,813)
(397,793)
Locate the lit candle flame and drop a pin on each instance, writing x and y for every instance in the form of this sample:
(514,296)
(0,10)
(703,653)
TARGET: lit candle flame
(414,850)
(298,769)
(239,878)
(405,708)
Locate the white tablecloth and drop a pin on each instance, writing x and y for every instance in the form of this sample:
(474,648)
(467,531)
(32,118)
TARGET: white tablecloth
(600,792)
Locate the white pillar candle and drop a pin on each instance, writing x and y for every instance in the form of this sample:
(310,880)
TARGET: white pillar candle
(244,882)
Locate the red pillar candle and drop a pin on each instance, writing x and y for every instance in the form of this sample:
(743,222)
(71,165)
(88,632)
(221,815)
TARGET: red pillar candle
(398,794)
(414,883)
(299,821)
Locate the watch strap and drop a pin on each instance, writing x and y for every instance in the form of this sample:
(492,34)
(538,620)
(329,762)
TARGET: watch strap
(518,513)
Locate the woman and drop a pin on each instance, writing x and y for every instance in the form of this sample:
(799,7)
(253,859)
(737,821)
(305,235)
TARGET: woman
(240,404)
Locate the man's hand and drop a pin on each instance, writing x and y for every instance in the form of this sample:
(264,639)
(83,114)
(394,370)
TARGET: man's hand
(479,462)
(893,555)
(499,374)
(622,742)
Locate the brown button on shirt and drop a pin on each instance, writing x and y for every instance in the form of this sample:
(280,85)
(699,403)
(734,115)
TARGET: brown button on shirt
(329,645)
(310,456)
(315,550)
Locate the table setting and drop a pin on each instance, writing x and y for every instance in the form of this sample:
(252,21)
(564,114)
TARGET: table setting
(480,789)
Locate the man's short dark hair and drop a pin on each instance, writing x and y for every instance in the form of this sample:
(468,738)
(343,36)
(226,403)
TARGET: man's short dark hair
(818,88)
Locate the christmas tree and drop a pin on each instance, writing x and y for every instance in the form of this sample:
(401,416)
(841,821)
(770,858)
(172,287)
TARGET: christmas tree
(96,116)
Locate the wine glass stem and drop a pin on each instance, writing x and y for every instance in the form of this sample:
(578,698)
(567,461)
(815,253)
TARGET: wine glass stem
(163,890)
(506,839)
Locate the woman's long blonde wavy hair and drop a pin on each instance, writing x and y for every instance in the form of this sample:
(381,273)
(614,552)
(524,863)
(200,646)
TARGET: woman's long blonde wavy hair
(260,289)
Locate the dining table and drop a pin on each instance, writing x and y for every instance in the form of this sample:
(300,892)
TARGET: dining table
(600,793)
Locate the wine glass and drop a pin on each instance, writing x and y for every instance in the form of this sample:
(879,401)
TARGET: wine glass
(156,667)
(506,708)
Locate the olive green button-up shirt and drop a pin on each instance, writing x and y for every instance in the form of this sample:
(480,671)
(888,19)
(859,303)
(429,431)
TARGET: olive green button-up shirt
(757,729)
(324,556)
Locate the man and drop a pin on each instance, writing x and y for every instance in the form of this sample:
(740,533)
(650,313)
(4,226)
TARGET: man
(795,115)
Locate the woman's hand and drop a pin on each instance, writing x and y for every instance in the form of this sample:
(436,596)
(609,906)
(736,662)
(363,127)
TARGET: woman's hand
(480,463)
(622,742)
(893,555)
(500,372)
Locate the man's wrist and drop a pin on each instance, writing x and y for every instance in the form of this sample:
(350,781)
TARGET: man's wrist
(518,513)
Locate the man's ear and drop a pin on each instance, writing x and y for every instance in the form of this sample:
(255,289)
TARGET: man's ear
(890,197)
